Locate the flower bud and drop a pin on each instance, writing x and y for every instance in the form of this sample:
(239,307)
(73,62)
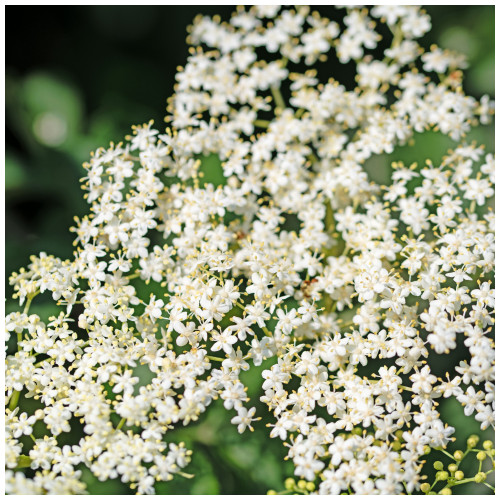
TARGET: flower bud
(472,441)
(442,475)
(302,484)
(488,445)
(459,475)
(289,483)
(445,491)
(425,487)
(453,467)
(438,465)
(481,456)
(310,486)
(396,445)
(480,477)
(458,455)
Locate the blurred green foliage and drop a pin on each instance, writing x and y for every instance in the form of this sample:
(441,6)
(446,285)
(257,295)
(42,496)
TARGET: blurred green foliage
(90,73)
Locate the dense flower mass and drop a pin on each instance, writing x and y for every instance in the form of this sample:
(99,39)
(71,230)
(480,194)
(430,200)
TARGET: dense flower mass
(294,255)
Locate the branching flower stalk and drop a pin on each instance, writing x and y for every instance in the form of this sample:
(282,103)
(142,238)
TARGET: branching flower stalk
(200,279)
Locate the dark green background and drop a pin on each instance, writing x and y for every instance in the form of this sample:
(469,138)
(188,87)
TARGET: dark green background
(104,68)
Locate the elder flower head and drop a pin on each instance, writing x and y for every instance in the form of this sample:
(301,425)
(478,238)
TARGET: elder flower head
(398,273)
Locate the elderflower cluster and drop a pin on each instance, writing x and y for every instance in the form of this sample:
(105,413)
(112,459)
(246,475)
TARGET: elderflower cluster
(345,289)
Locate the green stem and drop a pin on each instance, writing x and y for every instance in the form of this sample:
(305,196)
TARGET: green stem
(406,388)
(447,454)
(267,332)
(469,479)
(432,486)
(262,123)
(278,98)
(299,112)
(28,302)
(185,474)
(463,458)
(463,481)
(329,220)
(121,423)
(215,358)
(29,298)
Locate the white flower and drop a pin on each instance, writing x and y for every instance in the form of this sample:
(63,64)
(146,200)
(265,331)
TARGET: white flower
(244,419)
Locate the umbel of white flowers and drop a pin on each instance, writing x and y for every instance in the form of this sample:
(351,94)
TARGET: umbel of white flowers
(387,273)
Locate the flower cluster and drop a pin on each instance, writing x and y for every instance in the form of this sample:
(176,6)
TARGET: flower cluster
(346,289)
(444,479)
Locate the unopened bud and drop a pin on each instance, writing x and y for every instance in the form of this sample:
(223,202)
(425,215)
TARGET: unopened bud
(310,486)
(487,445)
(480,477)
(442,475)
(472,441)
(425,487)
(445,491)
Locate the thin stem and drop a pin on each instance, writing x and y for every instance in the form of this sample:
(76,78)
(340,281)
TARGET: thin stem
(185,474)
(215,358)
(28,302)
(433,484)
(262,123)
(447,454)
(329,220)
(463,481)
(267,332)
(29,298)
(463,458)
(278,98)
(121,423)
